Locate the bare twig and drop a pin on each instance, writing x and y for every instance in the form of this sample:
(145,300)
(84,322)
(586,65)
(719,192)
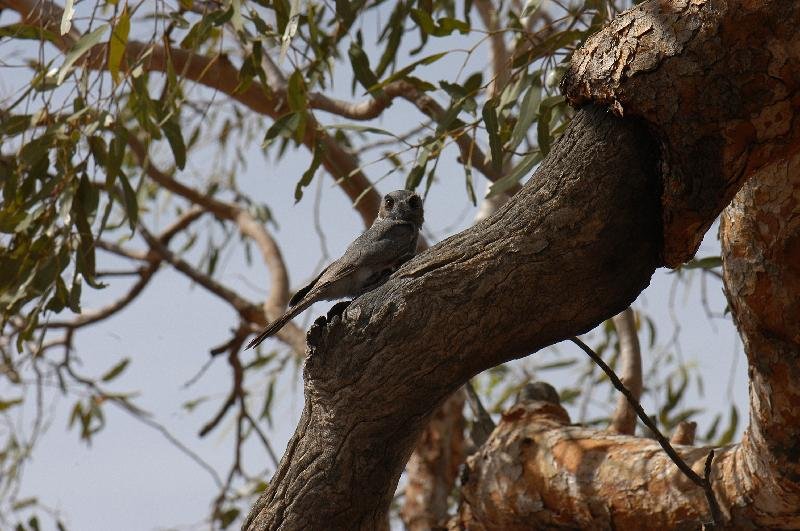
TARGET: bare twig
(623,420)
(145,275)
(702,482)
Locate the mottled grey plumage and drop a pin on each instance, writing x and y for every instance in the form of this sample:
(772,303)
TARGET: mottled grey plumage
(367,262)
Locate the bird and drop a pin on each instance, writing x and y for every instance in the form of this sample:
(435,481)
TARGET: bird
(388,243)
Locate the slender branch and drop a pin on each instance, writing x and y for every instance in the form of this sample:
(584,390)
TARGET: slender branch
(145,275)
(702,482)
(499,52)
(623,420)
(245,308)
(372,107)
(248,226)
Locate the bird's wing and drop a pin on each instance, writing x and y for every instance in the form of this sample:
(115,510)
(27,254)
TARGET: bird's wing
(302,292)
(383,246)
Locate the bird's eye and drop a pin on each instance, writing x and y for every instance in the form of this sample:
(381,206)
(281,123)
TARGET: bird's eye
(414,202)
(389,203)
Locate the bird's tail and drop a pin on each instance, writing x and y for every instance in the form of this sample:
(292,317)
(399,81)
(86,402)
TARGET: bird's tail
(278,323)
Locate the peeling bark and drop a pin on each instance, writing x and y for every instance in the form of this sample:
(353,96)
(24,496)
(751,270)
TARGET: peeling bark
(730,71)
(538,471)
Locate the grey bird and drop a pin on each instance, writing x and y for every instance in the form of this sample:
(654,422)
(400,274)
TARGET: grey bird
(367,262)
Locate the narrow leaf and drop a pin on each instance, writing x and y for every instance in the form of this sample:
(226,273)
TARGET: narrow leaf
(173,133)
(291,29)
(308,175)
(66,17)
(117,43)
(493,129)
(116,370)
(361,70)
(81,47)
(518,172)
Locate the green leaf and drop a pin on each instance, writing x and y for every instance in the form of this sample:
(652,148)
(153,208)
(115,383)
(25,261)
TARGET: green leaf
(28,31)
(197,35)
(117,43)
(403,72)
(227,517)
(291,28)
(130,201)
(15,124)
(493,129)
(361,70)
(116,370)
(520,170)
(543,126)
(528,110)
(296,91)
(173,133)
(531,6)
(308,175)
(116,152)
(283,126)
(708,262)
(418,171)
(66,16)
(81,47)
(7,404)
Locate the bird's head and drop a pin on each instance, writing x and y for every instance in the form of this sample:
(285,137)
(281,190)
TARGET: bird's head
(402,205)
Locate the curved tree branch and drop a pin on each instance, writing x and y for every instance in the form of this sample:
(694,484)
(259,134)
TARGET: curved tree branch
(363,376)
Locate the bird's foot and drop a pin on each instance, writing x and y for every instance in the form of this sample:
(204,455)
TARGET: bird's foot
(337,310)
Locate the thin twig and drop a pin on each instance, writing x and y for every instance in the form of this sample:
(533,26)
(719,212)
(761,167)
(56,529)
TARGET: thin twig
(702,482)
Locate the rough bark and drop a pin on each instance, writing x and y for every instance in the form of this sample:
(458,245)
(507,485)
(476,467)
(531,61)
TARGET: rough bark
(716,80)
(370,388)
(538,471)
(574,247)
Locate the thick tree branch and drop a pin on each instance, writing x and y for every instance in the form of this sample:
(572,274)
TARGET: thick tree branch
(703,482)
(727,65)
(558,231)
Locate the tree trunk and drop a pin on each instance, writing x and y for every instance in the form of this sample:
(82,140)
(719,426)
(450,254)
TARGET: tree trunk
(575,246)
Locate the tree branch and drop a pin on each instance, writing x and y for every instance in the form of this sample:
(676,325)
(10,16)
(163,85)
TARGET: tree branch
(702,482)
(145,275)
(623,420)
